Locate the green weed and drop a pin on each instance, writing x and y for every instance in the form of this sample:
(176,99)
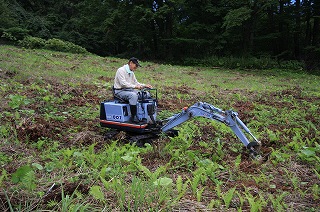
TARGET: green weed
(3,176)
(227,197)
(310,153)
(257,203)
(277,201)
(17,101)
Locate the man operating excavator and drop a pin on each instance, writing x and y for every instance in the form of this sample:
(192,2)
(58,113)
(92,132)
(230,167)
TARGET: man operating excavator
(127,87)
(142,122)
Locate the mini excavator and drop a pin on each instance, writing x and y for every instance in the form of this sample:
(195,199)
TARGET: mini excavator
(115,114)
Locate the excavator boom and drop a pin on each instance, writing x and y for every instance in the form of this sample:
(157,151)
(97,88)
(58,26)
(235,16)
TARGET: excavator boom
(229,118)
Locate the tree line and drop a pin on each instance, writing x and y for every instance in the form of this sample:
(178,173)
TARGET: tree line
(173,30)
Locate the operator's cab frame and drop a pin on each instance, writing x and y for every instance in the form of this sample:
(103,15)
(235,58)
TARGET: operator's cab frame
(144,95)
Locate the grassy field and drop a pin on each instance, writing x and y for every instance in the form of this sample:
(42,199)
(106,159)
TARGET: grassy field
(54,156)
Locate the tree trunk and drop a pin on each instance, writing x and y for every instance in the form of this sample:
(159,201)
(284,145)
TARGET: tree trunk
(307,5)
(316,23)
(281,31)
(297,31)
(272,29)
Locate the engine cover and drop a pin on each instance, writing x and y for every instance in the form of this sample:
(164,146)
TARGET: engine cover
(117,115)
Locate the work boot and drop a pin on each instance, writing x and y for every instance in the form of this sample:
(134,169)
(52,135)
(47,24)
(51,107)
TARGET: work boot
(134,118)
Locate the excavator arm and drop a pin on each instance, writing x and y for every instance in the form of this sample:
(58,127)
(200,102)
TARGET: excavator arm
(229,118)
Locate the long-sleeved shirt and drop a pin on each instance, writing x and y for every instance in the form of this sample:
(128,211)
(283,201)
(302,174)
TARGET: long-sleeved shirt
(125,78)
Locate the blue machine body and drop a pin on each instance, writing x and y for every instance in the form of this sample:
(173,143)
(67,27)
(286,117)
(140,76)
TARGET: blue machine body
(116,114)
(121,111)
(116,111)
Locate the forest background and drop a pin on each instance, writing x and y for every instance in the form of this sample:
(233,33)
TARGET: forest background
(230,33)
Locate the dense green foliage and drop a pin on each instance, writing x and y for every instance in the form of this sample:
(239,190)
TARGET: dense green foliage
(173,30)
(51,44)
(54,156)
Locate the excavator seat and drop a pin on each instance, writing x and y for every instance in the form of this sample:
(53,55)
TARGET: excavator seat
(116,98)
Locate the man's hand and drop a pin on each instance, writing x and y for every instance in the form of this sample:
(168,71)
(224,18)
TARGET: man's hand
(139,87)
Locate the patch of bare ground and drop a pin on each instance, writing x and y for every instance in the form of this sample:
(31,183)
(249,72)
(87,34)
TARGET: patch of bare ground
(189,204)
(53,193)
(68,188)
(7,74)
(170,97)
